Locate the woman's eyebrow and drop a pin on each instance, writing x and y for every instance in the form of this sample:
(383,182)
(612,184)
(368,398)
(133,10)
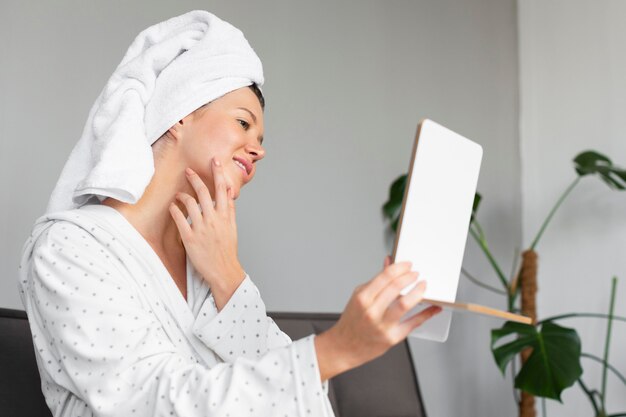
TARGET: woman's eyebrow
(251,114)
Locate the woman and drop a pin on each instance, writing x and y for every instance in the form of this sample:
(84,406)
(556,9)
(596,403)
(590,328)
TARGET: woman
(136,299)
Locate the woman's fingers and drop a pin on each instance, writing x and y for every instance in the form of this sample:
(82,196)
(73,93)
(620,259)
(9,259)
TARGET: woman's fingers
(388,294)
(223,193)
(418,319)
(404,303)
(192,207)
(371,289)
(202,191)
(180,220)
(219,180)
(231,206)
(387,261)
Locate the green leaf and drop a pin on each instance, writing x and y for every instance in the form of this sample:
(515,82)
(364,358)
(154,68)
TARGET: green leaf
(477,198)
(592,162)
(391,209)
(394,225)
(621,174)
(554,363)
(588,161)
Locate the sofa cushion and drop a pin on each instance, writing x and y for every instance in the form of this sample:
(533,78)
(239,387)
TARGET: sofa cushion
(384,387)
(20,386)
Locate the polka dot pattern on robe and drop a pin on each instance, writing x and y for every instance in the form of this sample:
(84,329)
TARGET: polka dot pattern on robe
(113,336)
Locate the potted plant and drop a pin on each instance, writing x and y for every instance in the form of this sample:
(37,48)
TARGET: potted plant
(550,354)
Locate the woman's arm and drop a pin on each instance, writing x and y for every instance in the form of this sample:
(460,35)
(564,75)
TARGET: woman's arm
(371,323)
(241,327)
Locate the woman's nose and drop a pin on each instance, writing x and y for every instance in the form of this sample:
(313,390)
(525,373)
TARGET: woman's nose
(257,151)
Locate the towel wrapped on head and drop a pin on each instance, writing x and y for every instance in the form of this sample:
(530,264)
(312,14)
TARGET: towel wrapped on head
(170,70)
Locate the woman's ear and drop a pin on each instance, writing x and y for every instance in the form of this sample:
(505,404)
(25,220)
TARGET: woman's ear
(175,132)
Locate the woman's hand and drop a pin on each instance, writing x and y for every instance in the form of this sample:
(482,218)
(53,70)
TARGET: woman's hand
(211,239)
(371,322)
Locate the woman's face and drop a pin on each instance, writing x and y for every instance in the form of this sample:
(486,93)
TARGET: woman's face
(229,128)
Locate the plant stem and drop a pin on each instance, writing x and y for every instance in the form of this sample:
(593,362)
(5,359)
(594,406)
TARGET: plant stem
(607,341)
(551,214)
(598,396)
(611,368)
(589,395)
(479,228)
(481,284)
(543,406)
(567,316)
(483,245)
(514,287)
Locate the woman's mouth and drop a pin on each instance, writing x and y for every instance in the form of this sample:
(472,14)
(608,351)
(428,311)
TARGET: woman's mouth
(240,165)
(244,166)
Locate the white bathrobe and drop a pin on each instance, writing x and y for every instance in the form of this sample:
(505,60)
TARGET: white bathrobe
(113,335)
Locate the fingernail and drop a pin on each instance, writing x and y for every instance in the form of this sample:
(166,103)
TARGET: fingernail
(217,163)
(189,171)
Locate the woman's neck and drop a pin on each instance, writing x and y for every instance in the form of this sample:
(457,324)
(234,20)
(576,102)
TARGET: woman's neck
(150,215)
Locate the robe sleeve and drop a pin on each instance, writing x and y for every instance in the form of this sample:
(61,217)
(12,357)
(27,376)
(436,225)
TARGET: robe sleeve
(96,338)
(241,328)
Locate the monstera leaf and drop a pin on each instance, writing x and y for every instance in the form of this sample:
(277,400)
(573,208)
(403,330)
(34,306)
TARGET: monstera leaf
(592,162)
(391,208)
(554,363)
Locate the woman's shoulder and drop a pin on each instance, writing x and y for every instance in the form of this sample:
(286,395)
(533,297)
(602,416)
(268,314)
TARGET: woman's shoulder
(65,233)
(71,230)
(69,243)
(62,241)
(77,224)
(68,259)
(89,237)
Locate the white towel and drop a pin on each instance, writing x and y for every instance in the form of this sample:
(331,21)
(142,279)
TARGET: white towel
(169,70)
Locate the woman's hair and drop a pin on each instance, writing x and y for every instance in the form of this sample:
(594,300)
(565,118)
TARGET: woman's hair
(259,95)
(163,140)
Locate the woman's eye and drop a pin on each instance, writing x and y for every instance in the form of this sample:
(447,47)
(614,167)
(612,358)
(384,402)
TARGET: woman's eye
(243,123)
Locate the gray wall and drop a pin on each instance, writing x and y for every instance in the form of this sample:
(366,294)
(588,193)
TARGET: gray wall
(573,90)
(346,85)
